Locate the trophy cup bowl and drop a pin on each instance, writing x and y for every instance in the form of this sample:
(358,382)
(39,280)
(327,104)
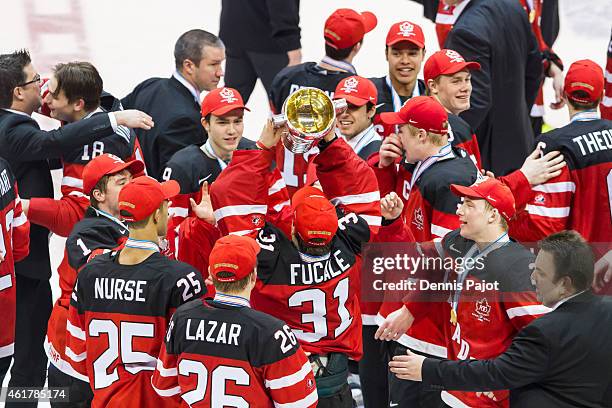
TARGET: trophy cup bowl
(309,114)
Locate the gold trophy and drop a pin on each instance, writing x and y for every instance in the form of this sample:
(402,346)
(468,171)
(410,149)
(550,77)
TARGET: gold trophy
(309,114)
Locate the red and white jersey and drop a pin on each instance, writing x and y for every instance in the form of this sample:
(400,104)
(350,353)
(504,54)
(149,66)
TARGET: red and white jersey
(222,353)
(14,246)
(606,102)
(316,296)
(116,323)
(488,317)
(582,192)
(297,169)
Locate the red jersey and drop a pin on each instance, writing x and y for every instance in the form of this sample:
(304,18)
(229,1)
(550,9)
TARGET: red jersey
(316,296)
(97,231)
(221,353)
(116,323)
(581,193)
(14,246)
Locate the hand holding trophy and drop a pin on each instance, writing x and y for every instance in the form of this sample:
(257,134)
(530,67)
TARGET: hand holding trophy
(309,115)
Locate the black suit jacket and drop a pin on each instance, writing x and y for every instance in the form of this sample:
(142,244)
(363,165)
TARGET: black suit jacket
(27,149)
(497,34)
(563,359)
(177,120)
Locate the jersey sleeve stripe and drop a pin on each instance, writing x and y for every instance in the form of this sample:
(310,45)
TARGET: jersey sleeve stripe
(75,331)
(77,193)
(372,219)
(6,281)
(276,187)
(608,76)
(309,400)
(439,230)
(553,212)
(363,198)
(178,211)
(7,350)
(19,221)
(560,187)
(72,182)
(166,372)
(278,207)
(166,393)
(607,101)
(77,358)
(232,210)
(531,310)
(291,379)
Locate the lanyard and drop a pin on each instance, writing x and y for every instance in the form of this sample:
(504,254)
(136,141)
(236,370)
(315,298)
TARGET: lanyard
(474,255)
(362,139)
(231,300)
(397,102)
(585,116)
(110,217)
(210,152)
(142,244)
(343,65)
(445,152)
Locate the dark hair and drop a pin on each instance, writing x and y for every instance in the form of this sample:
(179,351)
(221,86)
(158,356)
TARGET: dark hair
(142,223)
(12,74)
(580,94)
(100,185)
(230,287)
(572,257)
(311,249)
(79,80)
(190,46)
(339,54)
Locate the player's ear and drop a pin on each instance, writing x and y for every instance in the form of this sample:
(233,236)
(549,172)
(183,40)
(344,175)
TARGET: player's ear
(98,195)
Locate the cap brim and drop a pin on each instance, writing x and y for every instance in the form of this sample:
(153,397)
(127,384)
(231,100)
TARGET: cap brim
(353,100)
(404,39)
(225,109)
(391,118)
(454,68)
(170,188)
(463,191)
(369,21)
(136,167)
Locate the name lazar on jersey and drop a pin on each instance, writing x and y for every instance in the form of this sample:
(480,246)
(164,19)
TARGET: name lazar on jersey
(594,142)
(212,332)
(319,271)
(120,289)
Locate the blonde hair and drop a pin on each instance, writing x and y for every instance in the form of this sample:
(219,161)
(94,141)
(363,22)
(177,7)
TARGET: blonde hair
(502,222)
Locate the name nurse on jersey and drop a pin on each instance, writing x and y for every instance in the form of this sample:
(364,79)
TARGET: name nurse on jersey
(120,289)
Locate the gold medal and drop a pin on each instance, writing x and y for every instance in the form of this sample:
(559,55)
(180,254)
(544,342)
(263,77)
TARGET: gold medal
(453,316)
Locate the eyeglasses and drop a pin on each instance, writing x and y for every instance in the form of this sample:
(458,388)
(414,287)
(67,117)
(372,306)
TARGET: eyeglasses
(36,79)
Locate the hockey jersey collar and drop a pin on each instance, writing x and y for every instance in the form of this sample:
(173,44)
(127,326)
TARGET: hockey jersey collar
(100,213)
(363,139)
(231,300)
(343,65)
(585,116)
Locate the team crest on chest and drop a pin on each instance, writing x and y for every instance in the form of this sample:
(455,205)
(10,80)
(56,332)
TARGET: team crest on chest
(482,310)
(418,220)
(227,95)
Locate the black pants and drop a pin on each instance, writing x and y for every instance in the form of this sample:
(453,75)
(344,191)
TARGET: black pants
(79,392)
(242,68)
(373,369)
(411,394)
(33,311)
(343,399)
(5,363)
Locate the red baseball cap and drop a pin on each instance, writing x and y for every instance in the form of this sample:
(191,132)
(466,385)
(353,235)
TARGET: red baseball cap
(423,112)
(584,75)
(107,164)
(314,216)
(406,31)
(494,191)
(219,101)
(234,254)
(357,90)
(446,62)
(143,195)
(346,27)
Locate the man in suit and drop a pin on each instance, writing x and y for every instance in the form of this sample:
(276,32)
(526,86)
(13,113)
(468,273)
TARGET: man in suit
(175,102)
(27,149)
(562,359)
(497,35)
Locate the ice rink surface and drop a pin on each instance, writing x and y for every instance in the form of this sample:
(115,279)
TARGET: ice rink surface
(132,40)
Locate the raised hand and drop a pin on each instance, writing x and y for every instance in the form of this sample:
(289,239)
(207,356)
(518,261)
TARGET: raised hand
(390,150)
(391,206)
(204,209)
